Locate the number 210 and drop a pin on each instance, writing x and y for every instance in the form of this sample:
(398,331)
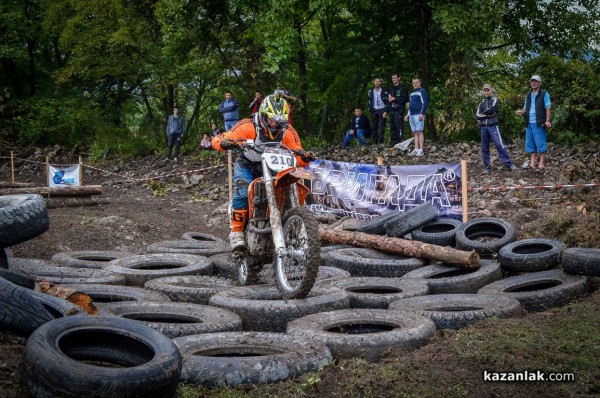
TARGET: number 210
(283,160)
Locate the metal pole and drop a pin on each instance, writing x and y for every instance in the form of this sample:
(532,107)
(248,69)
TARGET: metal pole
(12,165)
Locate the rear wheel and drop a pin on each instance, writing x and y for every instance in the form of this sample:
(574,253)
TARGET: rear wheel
(296,270)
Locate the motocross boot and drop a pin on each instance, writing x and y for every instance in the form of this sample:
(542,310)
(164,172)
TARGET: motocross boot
(236,237)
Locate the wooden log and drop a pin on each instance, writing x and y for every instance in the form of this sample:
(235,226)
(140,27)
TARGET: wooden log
(59,202)
(7,184)
(78,298)
(405,247)
(86,190)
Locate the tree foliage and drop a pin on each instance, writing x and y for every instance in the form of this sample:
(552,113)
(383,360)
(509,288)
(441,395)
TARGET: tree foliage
(102,73)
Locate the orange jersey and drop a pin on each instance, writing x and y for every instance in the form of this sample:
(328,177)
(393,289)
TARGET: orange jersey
(246,130)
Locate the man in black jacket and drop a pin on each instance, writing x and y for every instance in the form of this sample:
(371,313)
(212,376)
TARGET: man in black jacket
(487,119)
(359,128)
(378,105)
(397,99)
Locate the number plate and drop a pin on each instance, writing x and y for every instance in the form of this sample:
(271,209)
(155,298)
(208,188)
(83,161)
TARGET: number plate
(278,159)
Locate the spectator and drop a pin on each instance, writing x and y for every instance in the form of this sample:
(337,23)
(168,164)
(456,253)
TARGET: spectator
(359,128)
(378,100)
(175,131)
(419,99)
(255,104)
(487,119)
(229,109)
(538,118)
(205,143)
(397,99)
(215,130)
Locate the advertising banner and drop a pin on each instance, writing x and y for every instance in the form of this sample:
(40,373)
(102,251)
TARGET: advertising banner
(363,191)
(63,176)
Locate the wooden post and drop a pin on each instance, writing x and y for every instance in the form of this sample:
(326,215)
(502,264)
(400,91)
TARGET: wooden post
(80,171)
(12,165)
(379,185)
(465,198)
(48,170)
(230,174)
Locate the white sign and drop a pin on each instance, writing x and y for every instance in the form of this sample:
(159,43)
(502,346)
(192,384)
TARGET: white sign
(64,176)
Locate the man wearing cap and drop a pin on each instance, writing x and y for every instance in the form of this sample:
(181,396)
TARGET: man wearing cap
(537,119)
(487,119)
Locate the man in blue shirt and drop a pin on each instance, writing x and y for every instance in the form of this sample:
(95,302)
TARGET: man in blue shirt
(175,131)
(417,106)
(538,117)
(229,109)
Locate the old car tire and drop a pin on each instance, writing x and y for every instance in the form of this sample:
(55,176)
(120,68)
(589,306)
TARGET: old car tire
(539,291)
(369,262)
(41,270)
(443,278)
(22,217)
(454,311)
(410,220)
(94,259)
(373,292)
(441,231)
(18,278)
(102,294)
(203,238)
(580,260)
(139,269)
(476,235)
(231,359)
(262,309)
(191,288)
(68,358)
(185,246)
(363,333)
(376,225)
(224,265)
(176,319)
(530,255)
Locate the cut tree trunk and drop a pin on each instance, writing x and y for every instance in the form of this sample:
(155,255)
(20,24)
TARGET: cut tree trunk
(78,298)
(86,190)
(7,184)
(58,202)
(405,247)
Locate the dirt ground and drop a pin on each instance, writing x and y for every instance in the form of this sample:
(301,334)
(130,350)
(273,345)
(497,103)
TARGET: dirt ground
(134,218)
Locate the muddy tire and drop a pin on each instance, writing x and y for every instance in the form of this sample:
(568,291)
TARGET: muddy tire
(93,259)
(231,359)
(3,258)
(530,255)
(376,225)
(582,261)
(248,270)
(176,319)
(263,310)
(485,235)
(410,220)
(18,278)
(442,278)
(188,247)
(189,289)
(104,294)
(41,270)
(363,333)
(68,358)
(139,269)
(539,291)
(441,231)
(373,292)
(454,311)
(267,275)
(369,262)
(224,266)
(22,217)
(23,310)
(203,238)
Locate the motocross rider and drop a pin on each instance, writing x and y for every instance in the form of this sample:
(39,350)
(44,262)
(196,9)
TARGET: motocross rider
(269,124)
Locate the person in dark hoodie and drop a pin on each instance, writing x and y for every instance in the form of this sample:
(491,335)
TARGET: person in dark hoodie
(487,119)
(175,131)
(359,128)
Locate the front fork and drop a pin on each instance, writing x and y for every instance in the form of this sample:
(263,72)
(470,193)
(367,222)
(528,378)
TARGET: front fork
(274,213)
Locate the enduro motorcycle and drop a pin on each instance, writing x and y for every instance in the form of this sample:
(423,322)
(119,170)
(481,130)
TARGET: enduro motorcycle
(279,228)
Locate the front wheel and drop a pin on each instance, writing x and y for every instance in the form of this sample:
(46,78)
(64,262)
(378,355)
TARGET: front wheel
(296,270)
